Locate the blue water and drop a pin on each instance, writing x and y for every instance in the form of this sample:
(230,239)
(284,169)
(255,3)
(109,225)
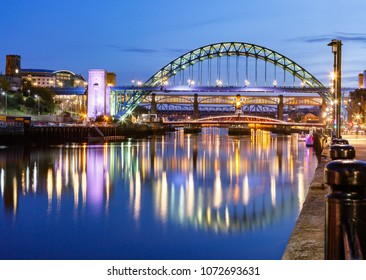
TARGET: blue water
(176,196)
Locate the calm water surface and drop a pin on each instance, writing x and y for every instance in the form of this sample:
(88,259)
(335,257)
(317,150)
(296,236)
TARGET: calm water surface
(177,196)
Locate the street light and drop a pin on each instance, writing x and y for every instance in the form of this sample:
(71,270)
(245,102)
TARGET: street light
(6,102)
(37,97)
(336,75)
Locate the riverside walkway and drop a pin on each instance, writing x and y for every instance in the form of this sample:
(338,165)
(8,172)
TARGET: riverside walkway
(307,239)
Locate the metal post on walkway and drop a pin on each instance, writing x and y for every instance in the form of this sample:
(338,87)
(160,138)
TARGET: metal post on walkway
(337,51)
(342,151)
(345,212)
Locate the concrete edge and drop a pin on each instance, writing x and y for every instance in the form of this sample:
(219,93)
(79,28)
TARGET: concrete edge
(307,238)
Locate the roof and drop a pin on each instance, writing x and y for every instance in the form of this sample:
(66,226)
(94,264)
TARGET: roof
(37,71)
(70,91)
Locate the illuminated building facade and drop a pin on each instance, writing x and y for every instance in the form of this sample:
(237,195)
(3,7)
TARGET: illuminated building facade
(69,88)
(98,100)
(52,79)
(71,99)
(39,77)
(111,79)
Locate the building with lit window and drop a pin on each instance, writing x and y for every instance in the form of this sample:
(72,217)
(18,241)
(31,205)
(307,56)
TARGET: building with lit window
(52,79)
(69,88)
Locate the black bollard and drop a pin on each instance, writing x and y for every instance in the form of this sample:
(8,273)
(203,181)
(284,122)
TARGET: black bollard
(342,151)
(339,141)
(345,216)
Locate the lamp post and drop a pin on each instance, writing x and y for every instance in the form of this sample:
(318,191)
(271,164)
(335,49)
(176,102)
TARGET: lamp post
(337,51)
(6,101)
(37,97)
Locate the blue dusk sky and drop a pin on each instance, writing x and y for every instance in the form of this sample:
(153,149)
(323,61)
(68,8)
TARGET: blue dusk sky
(135,39)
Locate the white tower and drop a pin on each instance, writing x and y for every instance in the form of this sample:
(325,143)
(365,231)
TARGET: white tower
(98,101)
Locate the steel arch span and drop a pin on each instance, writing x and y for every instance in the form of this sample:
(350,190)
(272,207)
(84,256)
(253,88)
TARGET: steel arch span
(232,49)
(217,50)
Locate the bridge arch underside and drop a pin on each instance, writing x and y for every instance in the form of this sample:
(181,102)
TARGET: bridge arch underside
(228,64)
(212,105)
(183,110)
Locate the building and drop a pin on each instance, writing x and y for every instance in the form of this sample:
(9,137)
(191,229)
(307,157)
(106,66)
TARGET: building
(69,88)
(39,77)
(356,106)
(360,80)
(356,103)
(13,72)
(52,78)
(12,67)
(72,100)
(111,79)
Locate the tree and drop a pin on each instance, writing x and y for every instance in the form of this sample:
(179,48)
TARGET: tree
(29,102)
(18,98)
(3,83)
(45,94)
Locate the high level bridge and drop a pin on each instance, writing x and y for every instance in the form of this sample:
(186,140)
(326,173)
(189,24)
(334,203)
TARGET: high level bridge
(227,77)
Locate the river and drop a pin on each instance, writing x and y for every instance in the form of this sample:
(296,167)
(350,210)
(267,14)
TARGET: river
(172,196)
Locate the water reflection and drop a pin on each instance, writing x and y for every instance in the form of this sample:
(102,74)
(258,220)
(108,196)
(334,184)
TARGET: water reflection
(207,182)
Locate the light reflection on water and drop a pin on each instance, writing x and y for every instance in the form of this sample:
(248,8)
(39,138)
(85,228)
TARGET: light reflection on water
(182,190)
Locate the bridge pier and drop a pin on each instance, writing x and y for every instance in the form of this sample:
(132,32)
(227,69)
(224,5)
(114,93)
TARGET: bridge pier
(153,103)
(280,108)
(195,107)
(238,109)
(323,108)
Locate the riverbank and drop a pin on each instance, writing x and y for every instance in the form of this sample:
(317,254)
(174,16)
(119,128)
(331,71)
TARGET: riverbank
(308,237)
(77,134)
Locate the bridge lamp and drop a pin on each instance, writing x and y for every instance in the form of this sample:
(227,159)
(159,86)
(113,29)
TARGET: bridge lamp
(247,83)
(191,82)
(139,83)
(274,83)
(332,76)
(218,83)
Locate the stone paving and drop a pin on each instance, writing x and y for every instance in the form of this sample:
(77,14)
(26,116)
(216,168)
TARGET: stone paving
(307,239)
